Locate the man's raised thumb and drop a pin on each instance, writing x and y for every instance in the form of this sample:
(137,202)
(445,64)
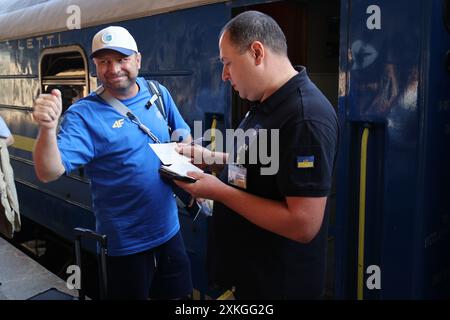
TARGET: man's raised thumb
(56,93)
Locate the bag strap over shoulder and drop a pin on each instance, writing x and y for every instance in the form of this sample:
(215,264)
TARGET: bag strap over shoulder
(156,96)
(153,87)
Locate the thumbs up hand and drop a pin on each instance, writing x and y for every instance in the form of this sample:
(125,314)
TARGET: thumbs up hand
(47,109)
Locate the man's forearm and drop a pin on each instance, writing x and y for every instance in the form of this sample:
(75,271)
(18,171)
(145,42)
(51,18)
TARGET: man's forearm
(298,219)
(268,214)
(46,155)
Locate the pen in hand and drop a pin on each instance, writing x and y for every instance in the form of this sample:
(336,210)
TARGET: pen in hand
(193,142)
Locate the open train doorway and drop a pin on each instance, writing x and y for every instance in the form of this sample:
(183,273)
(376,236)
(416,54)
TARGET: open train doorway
(312,30)
(312,33)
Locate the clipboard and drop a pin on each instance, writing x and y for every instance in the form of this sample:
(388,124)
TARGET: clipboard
(167,173)
(174,165)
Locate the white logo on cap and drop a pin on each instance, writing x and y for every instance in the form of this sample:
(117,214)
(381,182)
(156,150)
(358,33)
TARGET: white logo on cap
(107,37)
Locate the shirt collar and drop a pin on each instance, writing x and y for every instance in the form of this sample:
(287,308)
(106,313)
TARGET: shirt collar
(271,103)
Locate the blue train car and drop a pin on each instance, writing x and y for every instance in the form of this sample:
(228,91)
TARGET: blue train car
(383,64)
(46,44)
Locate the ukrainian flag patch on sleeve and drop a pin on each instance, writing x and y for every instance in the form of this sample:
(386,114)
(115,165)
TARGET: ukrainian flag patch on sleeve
(305,162)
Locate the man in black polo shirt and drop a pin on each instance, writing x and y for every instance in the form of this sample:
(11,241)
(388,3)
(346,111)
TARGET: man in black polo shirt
(268,231)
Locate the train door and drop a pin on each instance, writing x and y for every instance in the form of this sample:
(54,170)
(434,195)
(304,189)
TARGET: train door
(393,209)
(312,33)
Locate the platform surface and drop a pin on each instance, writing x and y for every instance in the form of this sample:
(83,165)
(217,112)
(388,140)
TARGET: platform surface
(21,277)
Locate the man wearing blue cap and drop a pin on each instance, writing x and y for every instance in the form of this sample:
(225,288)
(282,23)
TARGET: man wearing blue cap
(133,206)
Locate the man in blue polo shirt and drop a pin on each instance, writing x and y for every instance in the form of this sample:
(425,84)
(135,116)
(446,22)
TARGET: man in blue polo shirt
(133,206)
(268,231)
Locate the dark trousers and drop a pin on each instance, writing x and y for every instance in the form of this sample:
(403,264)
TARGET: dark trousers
(163,272)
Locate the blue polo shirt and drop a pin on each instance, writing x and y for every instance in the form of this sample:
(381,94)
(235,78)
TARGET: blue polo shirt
(133,206)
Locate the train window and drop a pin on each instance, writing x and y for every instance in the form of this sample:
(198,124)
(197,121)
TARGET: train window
(64,68)
(447,14)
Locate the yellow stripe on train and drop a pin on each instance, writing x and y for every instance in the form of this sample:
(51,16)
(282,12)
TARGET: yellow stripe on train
(23,143)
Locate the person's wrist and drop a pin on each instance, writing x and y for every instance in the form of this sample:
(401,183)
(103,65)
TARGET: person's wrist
(207,156)
(47,130)
(221,194)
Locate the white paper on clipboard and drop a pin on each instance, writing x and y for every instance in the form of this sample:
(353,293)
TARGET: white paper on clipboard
(172,160)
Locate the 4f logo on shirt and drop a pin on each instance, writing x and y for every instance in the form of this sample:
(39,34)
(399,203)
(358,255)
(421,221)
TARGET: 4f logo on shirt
(118,123)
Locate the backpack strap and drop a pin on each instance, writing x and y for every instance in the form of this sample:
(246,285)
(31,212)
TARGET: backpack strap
(157,100)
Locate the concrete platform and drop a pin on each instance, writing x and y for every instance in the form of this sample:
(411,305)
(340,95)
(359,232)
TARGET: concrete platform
(21,277)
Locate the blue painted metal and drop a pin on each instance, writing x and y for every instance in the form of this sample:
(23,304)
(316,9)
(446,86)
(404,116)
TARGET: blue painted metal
(340,228)
(392,80)
(435,260)
(395,82)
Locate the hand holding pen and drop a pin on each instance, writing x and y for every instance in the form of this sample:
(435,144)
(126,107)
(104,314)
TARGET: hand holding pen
(194,151)
(202,157)
(196,141)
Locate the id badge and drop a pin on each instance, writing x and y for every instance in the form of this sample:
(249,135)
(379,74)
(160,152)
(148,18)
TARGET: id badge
(237,175)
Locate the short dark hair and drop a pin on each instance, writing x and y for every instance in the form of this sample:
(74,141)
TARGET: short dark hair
(251,26)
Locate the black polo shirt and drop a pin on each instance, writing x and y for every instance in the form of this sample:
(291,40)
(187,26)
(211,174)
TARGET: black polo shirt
(262,264)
